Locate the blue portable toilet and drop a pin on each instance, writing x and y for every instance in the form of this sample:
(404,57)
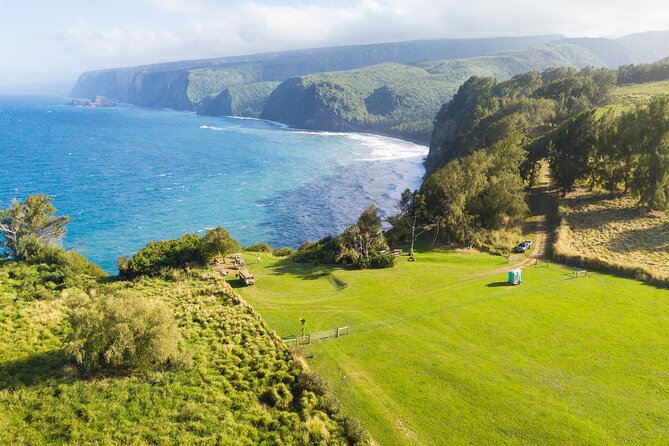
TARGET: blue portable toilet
(515,277)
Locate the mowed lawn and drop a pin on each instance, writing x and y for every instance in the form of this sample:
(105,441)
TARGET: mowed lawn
(440,353)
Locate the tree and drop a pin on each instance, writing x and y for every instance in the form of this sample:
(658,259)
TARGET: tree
(573,145)
(413,214)
(121,330)
(365,236)
(218,241)
(449,191)
(651,180)
(33,220)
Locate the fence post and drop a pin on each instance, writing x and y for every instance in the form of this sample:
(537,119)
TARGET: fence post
(337,333)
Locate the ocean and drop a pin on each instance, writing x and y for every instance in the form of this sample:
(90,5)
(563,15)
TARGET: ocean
(128,175)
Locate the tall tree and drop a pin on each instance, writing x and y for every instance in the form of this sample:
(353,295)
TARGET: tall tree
(652,177)
(413,215)
(573,144)
(217,242)
(366,235)
(34,219)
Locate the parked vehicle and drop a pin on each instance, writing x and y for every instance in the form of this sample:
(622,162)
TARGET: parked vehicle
(246,277)
(524,246)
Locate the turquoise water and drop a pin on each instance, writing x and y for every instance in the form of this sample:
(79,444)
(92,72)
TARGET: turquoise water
(129,175)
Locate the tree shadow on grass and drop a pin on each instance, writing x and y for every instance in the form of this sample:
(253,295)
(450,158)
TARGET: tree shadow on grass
(653,238)
(304,271)
(47,366)
(33,370)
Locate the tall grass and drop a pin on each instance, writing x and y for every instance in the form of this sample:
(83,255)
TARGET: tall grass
(611,234)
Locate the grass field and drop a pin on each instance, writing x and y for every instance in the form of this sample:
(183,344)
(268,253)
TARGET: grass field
(442,353)
(639,93)
(615,232)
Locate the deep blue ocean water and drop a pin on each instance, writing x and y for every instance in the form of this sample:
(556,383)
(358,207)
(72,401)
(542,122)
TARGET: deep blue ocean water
(128,175)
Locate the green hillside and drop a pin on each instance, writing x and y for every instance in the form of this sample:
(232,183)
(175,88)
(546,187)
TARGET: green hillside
(634,94)
(181,85)
(404,104)
(399,99)
(236,384)
(245,100)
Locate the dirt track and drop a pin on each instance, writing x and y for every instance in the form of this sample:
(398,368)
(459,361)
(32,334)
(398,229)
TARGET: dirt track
(541,199)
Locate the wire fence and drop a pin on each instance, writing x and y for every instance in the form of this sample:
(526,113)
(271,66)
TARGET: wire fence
(314,337)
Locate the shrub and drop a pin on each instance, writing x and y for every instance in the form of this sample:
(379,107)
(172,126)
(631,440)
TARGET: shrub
(278,396)
(259,247)
(284,252)
(354,431)
(157,256)
(191,249)
(312,382)
(121,331)
(324,251)
(376,260)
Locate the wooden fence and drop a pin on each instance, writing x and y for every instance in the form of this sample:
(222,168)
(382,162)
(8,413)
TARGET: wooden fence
(313,337)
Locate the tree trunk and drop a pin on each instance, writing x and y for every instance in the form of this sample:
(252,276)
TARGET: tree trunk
(413,236)
(628,161)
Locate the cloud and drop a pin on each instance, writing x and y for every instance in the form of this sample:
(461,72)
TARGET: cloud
(121,44)
(179,6)
(202,28)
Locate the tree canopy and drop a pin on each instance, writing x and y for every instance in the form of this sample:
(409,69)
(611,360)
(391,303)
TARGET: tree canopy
(29,223)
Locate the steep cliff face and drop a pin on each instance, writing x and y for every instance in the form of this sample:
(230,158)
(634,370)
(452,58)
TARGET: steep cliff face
(183,84)
(393,88)
(139,87)
(241,100)
(298,103)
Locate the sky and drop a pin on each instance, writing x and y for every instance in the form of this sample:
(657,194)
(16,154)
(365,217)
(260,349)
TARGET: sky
(57,40)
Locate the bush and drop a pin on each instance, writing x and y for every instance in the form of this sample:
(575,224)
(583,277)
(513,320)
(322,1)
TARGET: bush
(354,431)
(121,331)
(284,252)
(157,256)
(278,396)
(324,251)
(376,260)
(312,382)
(259,247)
(191,249)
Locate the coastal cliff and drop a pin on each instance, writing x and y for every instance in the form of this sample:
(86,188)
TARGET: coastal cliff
(392,89)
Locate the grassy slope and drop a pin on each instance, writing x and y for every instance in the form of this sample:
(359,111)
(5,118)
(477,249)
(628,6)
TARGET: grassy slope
(615,232)
(639,93)
(439,354)
(45,400)
(612,232)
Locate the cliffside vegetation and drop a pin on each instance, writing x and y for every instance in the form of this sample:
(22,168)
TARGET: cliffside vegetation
(398,99)
(178,358)
(181,85)
(574,120)
(393,88)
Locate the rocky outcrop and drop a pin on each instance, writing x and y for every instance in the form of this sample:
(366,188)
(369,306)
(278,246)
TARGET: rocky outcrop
(97,101)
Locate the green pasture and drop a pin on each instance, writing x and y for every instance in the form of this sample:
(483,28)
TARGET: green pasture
(441,351)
